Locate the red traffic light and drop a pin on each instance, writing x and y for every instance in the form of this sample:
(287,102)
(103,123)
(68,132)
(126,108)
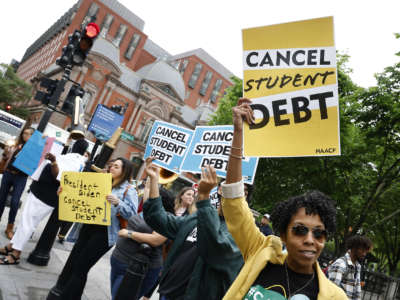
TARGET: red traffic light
(92,30)
(8,107)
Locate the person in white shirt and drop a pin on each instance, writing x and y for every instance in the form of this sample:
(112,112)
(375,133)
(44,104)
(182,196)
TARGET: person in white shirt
(43,197)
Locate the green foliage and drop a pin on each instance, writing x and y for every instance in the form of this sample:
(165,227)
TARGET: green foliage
(12,88)
(21,112)
(363,182)
(223,115)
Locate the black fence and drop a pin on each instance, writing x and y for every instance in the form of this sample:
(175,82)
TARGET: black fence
(379,286)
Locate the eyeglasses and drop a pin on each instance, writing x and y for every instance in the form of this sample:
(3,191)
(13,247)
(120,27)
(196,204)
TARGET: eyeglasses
(318,233)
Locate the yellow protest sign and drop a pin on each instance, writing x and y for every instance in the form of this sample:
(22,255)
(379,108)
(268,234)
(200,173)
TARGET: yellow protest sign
(83,197)
(290,75)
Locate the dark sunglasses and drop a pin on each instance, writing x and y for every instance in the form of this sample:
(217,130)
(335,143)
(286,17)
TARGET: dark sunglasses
(318,233)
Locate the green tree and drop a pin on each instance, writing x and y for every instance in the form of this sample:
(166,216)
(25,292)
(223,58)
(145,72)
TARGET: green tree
(13,90)
(223,115)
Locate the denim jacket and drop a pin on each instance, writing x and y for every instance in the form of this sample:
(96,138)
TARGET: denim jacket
(127,207)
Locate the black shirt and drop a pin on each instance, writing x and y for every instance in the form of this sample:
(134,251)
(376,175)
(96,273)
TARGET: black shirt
(273,277)
(45,189)
(175,282)
(126,248)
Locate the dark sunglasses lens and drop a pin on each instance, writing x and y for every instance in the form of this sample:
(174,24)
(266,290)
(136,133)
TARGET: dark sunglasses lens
(319,233)
(300,230)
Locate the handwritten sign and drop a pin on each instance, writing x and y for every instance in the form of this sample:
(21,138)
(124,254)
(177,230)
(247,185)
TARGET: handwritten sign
(290,75)
(211,145)
(168,143)
(83,198)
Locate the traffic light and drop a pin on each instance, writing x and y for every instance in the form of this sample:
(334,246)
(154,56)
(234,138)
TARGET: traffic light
(8,107)
(79,44)
(68,105)
(50,85)
(85,44)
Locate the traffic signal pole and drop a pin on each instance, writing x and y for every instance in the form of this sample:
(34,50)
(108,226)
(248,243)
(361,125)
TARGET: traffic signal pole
(74,54)
(54,100)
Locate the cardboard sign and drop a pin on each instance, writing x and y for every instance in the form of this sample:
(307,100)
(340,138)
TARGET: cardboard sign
(83,198)
(168,143)
(290,75)
(211,145)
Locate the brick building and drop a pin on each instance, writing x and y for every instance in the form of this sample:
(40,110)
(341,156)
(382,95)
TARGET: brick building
(125,67)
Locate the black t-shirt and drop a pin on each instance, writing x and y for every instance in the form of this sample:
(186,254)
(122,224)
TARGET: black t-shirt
(176,280)
(273,277)
(127,248)
(45,189)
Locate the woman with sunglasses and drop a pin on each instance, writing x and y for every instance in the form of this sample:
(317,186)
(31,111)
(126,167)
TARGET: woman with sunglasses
(303,223)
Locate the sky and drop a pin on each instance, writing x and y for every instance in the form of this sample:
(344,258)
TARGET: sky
(363,29)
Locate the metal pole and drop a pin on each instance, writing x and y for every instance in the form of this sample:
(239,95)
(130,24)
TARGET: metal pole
(40,256)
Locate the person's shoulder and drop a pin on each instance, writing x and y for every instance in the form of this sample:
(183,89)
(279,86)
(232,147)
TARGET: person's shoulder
(341,262)
(336,292)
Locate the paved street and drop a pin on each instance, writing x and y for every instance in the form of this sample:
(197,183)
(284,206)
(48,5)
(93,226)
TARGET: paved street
(30,282)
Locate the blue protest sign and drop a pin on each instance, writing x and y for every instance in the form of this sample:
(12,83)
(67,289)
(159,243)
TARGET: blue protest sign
(168,143)
(28,158)
(104,122)
(211,145)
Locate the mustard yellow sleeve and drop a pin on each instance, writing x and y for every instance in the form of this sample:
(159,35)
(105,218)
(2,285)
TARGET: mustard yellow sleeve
(240,221)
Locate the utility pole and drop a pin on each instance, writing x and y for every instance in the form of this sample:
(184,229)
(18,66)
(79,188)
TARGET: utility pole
(74,54)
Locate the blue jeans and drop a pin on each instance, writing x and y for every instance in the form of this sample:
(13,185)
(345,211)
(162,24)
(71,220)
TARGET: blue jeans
(18,182)
(118,270)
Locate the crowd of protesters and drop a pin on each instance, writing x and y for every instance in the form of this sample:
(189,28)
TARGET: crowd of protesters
(196,250)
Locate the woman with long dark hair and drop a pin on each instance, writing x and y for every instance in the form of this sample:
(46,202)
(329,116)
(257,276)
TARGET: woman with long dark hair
(95,240)
(13,177)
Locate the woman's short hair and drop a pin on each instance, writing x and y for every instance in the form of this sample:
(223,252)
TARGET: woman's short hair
(359,242)
(314,202)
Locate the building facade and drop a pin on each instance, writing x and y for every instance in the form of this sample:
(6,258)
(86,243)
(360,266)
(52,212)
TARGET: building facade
(125,67)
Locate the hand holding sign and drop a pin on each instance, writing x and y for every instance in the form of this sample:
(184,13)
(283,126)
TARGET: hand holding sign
(112,199)
(207,182)
(151,169)
(51,157)
(242,111)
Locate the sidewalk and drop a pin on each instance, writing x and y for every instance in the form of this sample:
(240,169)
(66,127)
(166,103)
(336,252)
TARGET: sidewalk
(29,282)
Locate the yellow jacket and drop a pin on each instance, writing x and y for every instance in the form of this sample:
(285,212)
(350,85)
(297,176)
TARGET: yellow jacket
(258,250)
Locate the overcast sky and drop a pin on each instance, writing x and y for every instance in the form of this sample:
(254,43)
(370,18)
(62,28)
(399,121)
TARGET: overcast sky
(363,29)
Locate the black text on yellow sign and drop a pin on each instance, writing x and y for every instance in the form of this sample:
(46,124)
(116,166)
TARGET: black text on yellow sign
(83,198)
(290,76)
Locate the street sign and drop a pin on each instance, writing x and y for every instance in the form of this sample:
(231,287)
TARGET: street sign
(104,122)
(127,137)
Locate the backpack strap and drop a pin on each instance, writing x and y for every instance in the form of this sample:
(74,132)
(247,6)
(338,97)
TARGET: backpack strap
(126,191)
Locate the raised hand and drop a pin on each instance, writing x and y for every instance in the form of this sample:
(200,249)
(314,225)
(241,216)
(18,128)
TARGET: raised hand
(151,169)
(207,182)
(242,111)
(50,157)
